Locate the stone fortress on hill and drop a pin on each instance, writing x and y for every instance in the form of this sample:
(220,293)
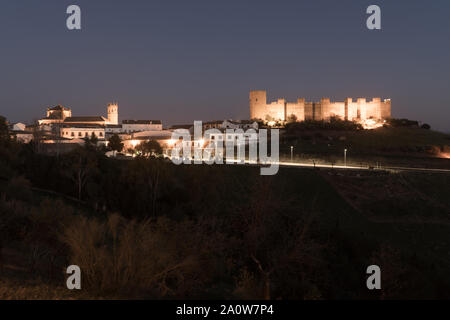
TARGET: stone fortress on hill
(281,110)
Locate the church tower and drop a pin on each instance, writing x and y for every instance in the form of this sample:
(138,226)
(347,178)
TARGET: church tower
(113,113)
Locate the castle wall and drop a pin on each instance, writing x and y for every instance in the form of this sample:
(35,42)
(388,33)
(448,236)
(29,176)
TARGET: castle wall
(308,111)
(332,109)
(276,110)
(374,109)
(296,109)
(336,109)
(361,109)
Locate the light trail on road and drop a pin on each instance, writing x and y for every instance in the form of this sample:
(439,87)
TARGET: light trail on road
(329,166)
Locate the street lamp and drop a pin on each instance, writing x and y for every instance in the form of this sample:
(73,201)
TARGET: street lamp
(292,153)
(345,157)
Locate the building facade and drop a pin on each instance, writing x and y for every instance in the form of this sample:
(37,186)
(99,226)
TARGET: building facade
(130,126)
(81,132)
(60,121)
(55,115)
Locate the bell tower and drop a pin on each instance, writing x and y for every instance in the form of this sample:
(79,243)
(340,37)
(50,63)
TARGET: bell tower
(113,113)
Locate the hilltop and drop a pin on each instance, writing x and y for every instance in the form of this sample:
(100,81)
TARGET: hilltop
(410,145)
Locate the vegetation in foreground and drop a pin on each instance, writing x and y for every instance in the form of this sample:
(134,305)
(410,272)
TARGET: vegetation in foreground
(146,228)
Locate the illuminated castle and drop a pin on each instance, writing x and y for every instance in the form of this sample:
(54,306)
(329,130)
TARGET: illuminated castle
(280,110)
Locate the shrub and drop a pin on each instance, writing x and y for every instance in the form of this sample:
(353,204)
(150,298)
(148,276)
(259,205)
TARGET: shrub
(19,188)
(402,122)
(121,257)
(333,124)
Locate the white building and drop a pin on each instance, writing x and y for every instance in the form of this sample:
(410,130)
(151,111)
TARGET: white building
(22,136)
(240,124)
(81,132)
(237,138)
(130,126)
(111,129)
(18,126)
(230,124)
(60,121)
(152,133)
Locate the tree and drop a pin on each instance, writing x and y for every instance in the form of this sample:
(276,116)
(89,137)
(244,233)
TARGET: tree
(269,118)
(79,166)
(4,130)
(115,144)
(292,118)
(94,139)
(150,148)
(38,136)
(276,242)
(91,141)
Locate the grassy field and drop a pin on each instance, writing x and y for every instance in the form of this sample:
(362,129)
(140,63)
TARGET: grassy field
(407,211)
(394,146)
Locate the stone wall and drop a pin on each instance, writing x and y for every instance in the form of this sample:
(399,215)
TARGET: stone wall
(352,110)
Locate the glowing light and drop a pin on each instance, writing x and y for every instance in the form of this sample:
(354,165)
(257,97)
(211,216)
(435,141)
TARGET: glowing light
(171,142)
(271,123)
(134,143)
(369,124)
(201,142)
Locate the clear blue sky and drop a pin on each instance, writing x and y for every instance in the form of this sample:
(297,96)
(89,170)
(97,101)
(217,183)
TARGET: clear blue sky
(188,60)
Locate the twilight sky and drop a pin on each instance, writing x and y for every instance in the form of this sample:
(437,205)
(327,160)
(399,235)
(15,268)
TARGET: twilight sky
(187,60)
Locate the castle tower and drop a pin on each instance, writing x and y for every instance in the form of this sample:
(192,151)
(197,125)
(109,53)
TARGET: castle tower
(326,111)
(258,102)
(362,108)
(375,110)
(386,109)
(347,110)
(113,113)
